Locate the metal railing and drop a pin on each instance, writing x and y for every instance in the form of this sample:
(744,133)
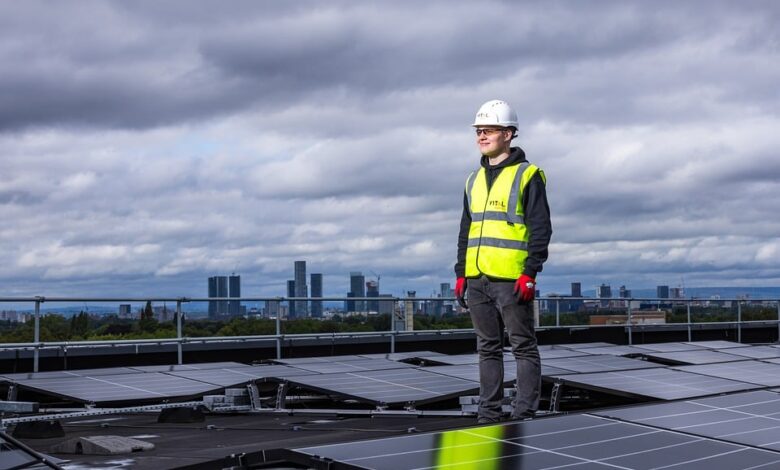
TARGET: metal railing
(553,310)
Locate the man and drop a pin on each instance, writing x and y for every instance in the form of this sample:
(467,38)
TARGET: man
(504,233)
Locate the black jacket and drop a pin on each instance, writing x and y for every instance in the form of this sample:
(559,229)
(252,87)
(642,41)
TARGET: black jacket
(536,213)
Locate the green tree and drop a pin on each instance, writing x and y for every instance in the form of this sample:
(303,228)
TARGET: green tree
(147,323)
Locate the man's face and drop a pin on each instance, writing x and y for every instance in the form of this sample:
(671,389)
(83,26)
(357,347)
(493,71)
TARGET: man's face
(493,140)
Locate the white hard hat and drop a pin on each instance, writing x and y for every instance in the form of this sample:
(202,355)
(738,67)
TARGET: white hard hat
(496,113)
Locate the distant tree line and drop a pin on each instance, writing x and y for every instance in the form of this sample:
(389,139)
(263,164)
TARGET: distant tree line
(85,327)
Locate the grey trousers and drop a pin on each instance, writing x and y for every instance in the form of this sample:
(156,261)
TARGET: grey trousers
(493,305)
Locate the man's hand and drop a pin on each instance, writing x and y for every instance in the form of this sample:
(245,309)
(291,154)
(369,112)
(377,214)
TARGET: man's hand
(460,290)
(525,288)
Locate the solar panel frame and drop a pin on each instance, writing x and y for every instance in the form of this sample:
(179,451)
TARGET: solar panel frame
(658,383)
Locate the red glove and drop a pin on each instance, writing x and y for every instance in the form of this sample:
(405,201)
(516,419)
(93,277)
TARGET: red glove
(525,288)
(460,287)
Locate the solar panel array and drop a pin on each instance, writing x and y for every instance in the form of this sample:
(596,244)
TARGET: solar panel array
(709,368)
(572,442)
(751,418)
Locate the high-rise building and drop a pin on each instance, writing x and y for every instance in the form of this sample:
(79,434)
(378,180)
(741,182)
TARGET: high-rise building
(662,292)
(316,291)
(372,290)
(624,293)
(272,308)
(576,289)
(676,293)
(125,311)
(290,304)
(604,291)
(218,287)
(301,289)
(357,286)
(234,284)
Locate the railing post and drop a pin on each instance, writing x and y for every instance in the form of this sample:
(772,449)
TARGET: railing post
(37,334)
(557,312)
(778,321)
(630,329)
(739,321)
(690,337)
(392,331)
(178,329)
(279,333)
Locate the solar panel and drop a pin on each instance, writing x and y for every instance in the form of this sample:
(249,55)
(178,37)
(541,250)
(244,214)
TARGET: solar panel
(229,377)
(558,353)
(471,371)
(597,344)
(111,388)
(660,383)
(389,386)
(669,347)
(584,364)
(716,344)
(400,356)
(702,356)
(317,360)
(196,366)
(616,350)
(58,374)
(352,366)
(578,442)
(756,352)
(452,360)
(755,372)
(751,418)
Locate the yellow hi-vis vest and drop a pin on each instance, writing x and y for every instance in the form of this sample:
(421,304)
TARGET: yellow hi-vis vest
(470,449)
(498,236)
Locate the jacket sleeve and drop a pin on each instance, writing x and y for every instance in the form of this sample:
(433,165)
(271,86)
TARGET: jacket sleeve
(463,238)
(537,219)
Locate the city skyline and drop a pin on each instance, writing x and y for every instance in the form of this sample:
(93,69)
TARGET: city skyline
(145,147)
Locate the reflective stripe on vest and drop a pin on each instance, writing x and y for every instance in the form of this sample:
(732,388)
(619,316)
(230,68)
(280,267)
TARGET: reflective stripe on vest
(498,236)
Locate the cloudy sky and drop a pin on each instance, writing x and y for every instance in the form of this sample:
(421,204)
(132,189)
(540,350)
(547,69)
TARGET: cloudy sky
(147,145)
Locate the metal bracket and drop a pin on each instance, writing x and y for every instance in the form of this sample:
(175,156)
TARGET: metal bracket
(254,396)
(12,391)
(555,397)
(281,395)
